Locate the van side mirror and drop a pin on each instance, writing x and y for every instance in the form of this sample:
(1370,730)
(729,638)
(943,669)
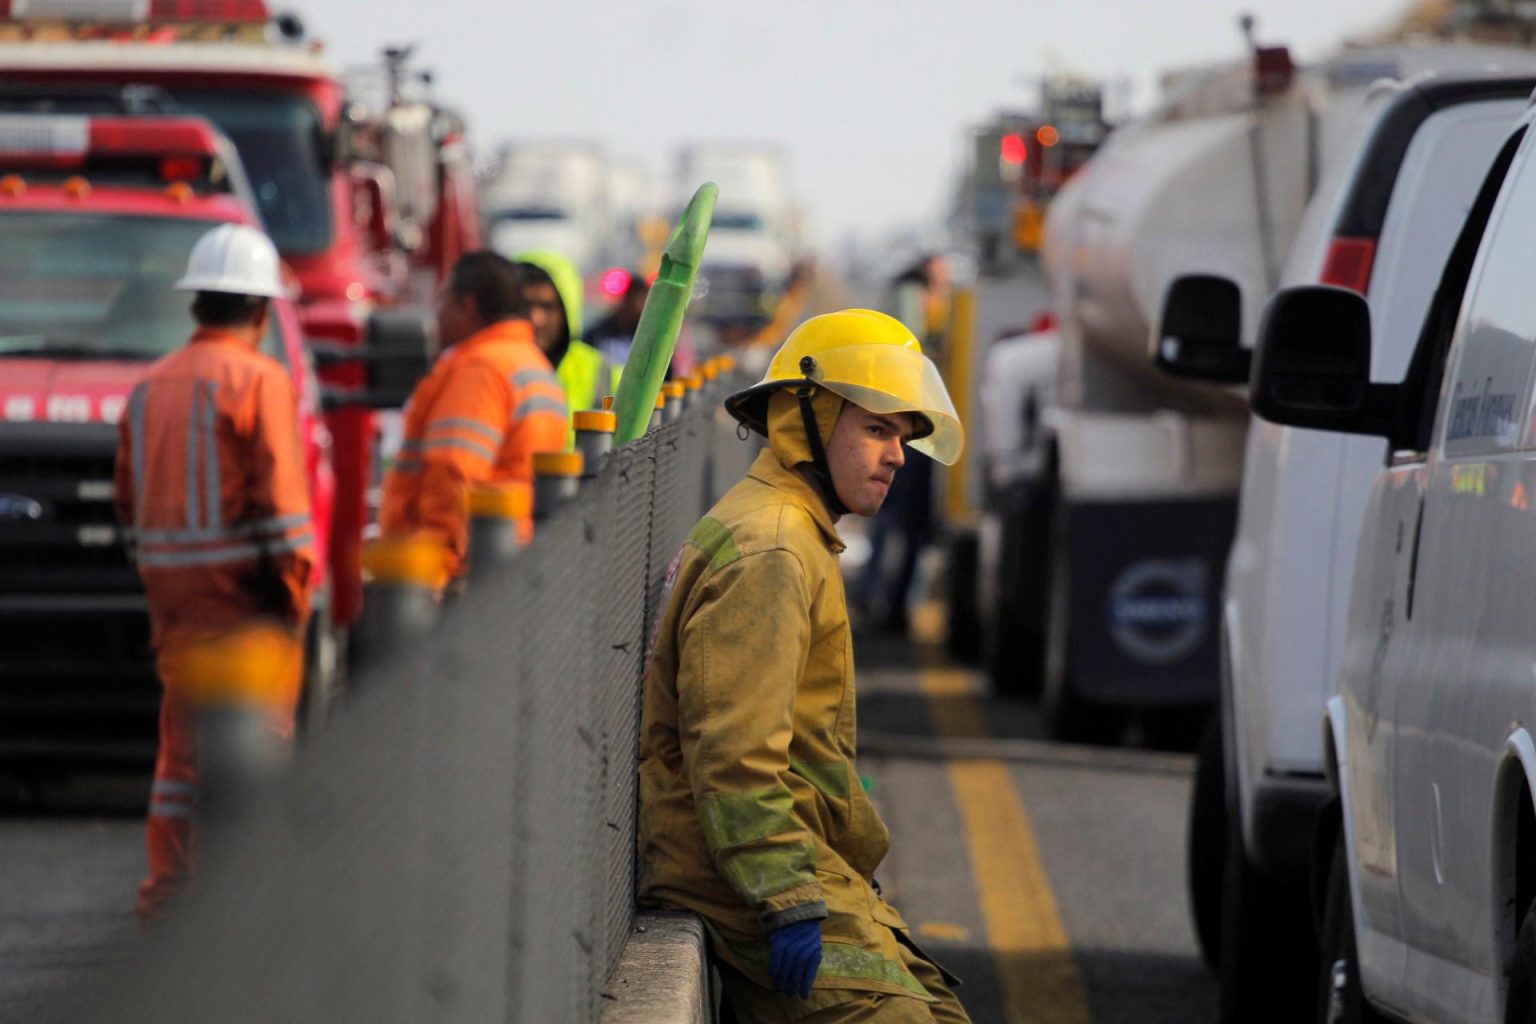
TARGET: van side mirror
(397,351)
(1312,365)
(1199,336)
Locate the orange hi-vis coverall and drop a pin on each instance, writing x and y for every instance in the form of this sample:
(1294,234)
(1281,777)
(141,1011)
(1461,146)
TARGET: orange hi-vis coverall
(212,493)
(491,402)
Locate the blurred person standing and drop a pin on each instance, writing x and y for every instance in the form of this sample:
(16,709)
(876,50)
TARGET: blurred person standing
(211,489)
(615,333)
(491,401)
(552,292)
(751,810)
(920,297)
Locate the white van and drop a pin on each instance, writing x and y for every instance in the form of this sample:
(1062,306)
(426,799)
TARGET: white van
(1428,742)
(1383,227)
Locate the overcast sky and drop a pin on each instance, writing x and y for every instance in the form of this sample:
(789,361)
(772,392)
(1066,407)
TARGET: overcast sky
(870,98)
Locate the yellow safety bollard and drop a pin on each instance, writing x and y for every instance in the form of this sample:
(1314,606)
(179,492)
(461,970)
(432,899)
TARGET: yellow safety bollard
(403,580)
(659,415)
(594,439)
(494,514)
(556,480)
(674,391)
(242,686)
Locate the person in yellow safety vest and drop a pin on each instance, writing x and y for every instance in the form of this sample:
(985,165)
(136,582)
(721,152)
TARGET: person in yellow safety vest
(553,294)
(752,814)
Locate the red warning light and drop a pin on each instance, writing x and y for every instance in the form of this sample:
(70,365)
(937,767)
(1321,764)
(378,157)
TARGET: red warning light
(614,282)
(1047,135)
(1013,149)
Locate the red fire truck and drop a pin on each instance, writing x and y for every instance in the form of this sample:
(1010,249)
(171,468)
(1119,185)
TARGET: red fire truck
(368,207)
(99,214)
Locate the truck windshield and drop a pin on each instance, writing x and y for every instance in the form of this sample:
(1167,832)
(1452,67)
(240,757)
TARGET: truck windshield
(530,213)
(97,286)
(280,141)
(735,221)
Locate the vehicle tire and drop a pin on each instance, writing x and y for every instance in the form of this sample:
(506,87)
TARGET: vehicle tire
(1520,1005)
(1207,841)
(1176,728)
(962,633)
(325,647)
(1069,717)
(1339,996)
(1017,642)
(1268,944)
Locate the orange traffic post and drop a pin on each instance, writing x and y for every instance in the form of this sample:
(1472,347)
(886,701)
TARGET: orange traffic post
(495,510)
(242,686)
(403,581)
(658,417)
(594,438)
(556,481)
(673,390)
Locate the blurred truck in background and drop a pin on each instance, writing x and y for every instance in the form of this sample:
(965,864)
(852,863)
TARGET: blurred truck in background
(368,205)
(754,237)
(99,213)
(1018,162)
(550,194)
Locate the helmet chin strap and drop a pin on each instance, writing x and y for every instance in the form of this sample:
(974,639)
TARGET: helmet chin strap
(820,468)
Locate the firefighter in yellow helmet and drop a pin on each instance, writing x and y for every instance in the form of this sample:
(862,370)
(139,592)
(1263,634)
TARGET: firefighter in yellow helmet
(751,809)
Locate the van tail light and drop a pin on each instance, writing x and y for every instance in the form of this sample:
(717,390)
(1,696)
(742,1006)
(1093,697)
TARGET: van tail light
(1348,263)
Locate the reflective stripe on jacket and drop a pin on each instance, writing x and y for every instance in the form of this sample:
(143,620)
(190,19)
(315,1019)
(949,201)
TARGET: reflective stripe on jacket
(488,405)
(211,490)
(751,810)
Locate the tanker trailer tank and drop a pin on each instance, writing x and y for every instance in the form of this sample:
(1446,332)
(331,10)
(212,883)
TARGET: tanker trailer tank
(1148,466)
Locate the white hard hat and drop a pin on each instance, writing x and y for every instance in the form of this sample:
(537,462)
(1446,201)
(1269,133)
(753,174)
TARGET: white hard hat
(236,259)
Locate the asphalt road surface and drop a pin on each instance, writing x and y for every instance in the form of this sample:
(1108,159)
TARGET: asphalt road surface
(1051,879)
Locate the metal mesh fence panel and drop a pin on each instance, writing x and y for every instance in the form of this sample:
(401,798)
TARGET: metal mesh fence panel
(459,844)
(623,523)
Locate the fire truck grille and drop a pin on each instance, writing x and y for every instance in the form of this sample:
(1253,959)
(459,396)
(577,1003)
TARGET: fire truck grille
(76,668)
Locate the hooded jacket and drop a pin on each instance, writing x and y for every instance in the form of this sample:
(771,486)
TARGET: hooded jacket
(584,373)
(751,810)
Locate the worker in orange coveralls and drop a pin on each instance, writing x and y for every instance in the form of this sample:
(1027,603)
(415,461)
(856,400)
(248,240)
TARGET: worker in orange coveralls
(491,401)
(212,493)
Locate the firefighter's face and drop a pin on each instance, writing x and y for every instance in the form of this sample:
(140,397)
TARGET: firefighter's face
(864,453)
(547,314)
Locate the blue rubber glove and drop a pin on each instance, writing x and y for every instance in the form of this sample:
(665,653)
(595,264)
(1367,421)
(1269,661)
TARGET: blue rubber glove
(794,953)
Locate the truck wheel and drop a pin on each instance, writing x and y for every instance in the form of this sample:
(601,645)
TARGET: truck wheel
(1340,998)
(1017,651)
(1268,945)
(1177,728)
(324,657)
(1207,843)
(962,634)
(1520,1006)
(1069,717)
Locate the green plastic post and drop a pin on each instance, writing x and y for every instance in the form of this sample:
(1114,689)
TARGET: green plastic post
(656,335)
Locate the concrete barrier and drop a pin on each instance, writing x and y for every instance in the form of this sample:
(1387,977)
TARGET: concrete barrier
(663,974)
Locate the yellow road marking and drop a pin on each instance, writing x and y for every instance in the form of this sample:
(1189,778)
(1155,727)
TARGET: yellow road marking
(1024,930)
(943,931)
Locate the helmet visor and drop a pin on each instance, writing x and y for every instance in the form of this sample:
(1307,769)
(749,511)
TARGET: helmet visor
(888,379)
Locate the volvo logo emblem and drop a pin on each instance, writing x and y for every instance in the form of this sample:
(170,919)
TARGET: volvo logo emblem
(18,508)
(1158,609)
